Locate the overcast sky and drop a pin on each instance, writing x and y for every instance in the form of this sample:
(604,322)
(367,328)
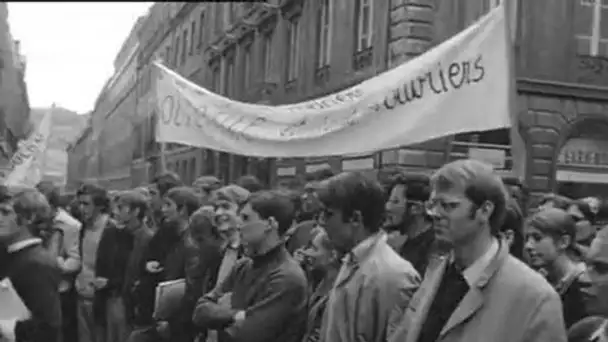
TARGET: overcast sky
(70,47)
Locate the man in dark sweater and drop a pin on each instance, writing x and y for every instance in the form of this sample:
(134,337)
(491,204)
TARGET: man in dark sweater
(32,271)
(165,260)
(263,298)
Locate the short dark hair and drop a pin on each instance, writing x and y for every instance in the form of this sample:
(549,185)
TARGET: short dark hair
(559,201)
(167,181)
(514,221)
(5,194)
(250,182)
(98,194)
(51,192)
(355,191)
(417,186)
(585,208)
(134,200)
(184,197)
(274,203)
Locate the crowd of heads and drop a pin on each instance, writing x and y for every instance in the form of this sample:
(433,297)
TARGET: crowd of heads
(460,201)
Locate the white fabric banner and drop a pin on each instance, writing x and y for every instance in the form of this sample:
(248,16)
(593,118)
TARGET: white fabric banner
(459,86)
(25,165)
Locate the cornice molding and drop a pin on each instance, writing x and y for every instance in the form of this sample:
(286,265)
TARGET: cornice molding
(562,89)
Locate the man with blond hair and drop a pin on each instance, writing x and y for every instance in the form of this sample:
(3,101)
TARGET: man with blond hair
(31,269)
(480,292)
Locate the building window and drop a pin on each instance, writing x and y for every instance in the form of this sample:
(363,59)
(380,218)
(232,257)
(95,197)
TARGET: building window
(185,46)
(229,77)
(215,79)
(293,46)
(246,66)
(267,55)
(324,33)
(201,27)
(591,25)
(178,47)
(363,11)
(192,36)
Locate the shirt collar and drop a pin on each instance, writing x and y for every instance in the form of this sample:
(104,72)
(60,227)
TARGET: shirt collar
(20,245)
(363,248)
(472,273)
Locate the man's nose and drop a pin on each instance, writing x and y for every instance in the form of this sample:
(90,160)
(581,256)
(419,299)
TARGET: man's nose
(584,280)
(529,245)
(433,213)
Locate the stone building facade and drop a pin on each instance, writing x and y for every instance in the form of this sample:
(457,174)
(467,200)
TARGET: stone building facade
(286,51)
(103,152)
(14,103)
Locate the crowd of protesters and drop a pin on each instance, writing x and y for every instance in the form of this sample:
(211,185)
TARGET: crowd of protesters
(461,255)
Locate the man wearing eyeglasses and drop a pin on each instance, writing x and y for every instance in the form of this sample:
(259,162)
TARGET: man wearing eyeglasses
(479,292)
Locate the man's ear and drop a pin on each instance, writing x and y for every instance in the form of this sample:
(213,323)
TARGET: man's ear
(137,212)
(508,236)
(486,210)
(564,241)
(356,217)
(272,223)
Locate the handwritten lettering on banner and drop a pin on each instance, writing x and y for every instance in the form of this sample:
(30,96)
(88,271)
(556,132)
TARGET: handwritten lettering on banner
(29,148)
(443,80)
(178,111)
(448,90)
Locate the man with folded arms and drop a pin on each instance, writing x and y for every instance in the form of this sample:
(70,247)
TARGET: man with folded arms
(267,301)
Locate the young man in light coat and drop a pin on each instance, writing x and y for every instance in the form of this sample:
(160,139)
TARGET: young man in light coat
(373,279)
(480,292)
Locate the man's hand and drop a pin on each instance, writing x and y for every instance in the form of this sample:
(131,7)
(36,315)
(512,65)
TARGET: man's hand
(153,267)
(225,300)
(300,256)
(100,283)
(239,317)
(7,330)
(162,328)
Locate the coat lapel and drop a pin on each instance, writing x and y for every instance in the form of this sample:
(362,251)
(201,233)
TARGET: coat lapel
(469,305)
(423,298)
(346,272)
(474,299)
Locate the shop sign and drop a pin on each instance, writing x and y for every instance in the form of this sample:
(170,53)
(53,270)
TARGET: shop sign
(585,153)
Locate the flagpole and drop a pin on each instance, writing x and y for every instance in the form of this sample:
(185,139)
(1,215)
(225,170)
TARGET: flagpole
(44,156)
(518,145)
(163,158)
(162,145)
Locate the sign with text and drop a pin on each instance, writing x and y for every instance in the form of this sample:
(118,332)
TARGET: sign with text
(461,85)
(25,165)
